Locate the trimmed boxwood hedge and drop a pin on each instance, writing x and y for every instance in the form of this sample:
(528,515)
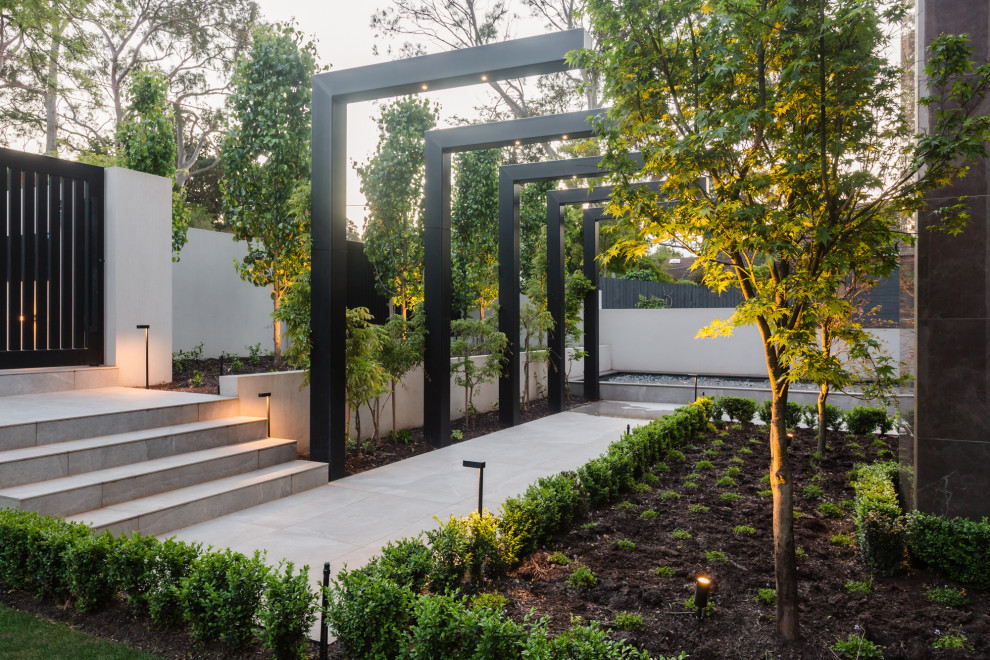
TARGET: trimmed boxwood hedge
(958,548)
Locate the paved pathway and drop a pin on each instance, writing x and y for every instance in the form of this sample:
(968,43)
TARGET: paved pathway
(349,520)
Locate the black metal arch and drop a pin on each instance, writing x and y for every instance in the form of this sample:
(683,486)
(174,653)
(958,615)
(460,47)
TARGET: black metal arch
(332,92)
(440,144)
(556,200)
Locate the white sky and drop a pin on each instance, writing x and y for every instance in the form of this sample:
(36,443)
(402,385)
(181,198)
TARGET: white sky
(345,40)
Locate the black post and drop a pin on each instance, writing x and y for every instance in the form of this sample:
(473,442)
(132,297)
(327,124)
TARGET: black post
(480,466)
(324,633)
(592,335)
(557,350)
(508,299)
(220,374)
(437,298)
(146,329)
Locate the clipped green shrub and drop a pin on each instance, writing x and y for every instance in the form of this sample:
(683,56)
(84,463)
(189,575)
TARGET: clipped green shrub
(289,611)
(173,562)
(133,567)
(739,409)
(368,615)
(222,596)
(863,420)
(407,562)
(880,525)
(87,561)
(792,413)
(532,518)
(956,547)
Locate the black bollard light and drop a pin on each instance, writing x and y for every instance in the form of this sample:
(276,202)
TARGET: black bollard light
(268,409)
(146,328)
(480,465)
(702,587)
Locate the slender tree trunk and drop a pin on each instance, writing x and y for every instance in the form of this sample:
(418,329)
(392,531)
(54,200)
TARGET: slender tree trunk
(395,428)
(375,421)
(51,96)
(822,396)
(785,561)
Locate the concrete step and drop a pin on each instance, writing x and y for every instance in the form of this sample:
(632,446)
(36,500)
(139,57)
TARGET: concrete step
(55,379)
(72,457)
(40,419)
(166,512)
(103,488)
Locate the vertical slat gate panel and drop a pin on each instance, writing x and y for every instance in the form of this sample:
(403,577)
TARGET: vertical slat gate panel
(56,213)
(79,285)
(15,261)
(68,231)
(5,253)
(28,232)
(43,244)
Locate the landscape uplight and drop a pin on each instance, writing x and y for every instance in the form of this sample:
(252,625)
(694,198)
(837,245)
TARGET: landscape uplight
(702,587)
(484,78)
(268,409)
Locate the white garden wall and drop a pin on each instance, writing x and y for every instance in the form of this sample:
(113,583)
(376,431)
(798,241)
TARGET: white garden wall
(212,304)
(138,235)
(665,341)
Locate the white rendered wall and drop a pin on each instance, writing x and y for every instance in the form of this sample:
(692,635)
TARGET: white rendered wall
(212,304)
(138,269)
(664,341)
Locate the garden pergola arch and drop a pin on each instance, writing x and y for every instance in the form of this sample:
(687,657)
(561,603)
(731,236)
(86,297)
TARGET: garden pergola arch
(332,92)
(440,144)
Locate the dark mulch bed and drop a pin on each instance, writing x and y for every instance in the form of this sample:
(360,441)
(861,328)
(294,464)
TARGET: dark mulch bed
(896,615)
(207,372)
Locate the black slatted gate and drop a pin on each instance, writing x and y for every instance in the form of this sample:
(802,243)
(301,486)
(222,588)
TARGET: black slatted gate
(51,259)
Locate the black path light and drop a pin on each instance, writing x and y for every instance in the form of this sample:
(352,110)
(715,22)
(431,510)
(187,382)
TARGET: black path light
(146,328)
(480,466)
(332,92)
(702,588)
(440,144)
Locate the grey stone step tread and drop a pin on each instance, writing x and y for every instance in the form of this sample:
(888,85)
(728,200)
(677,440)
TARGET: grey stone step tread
(120,515)
(68,446)
(74,404)
(145,468)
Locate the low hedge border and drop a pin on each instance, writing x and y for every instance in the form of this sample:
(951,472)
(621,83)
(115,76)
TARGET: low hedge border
(224,596)
(958,548)
(407,602)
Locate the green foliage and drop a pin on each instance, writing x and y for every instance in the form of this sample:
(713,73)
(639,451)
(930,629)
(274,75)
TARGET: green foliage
(558,558)
(467,545)
(653,302)
(730,497)
(689,605)
(89,581)
(196,380)
(743,529)
(704,465)
(222,595)
(739,409)
(368,615)
(862,420)
(289,612)
(676,455)
(698,508)
(625,544)
(845,540)
(629,621)
(864,587)
(813,492)
(745,450)
(364,376)
(582,577)
(625,504)
(664,571)
(715,557)
(545,507)
(267,160)
(392,184)
(947,596)
(956,547)
(471,337)
(857,647)
(474,229)
(726,481)
(173,563)
(649,514)
(670,495)
(651,479)
(880,524)
(681,534)
(830,510)
(953,641)
(765,493)
(766,597)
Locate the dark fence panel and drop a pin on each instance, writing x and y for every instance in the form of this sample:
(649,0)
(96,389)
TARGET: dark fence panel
(361,290)
(51,246)
(881,303)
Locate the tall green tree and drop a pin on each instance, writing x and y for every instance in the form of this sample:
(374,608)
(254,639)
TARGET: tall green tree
(266,158)
(790,112)
(392,183)
(474,224)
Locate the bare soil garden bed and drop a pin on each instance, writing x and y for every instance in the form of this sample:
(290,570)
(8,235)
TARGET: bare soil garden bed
(895,614)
